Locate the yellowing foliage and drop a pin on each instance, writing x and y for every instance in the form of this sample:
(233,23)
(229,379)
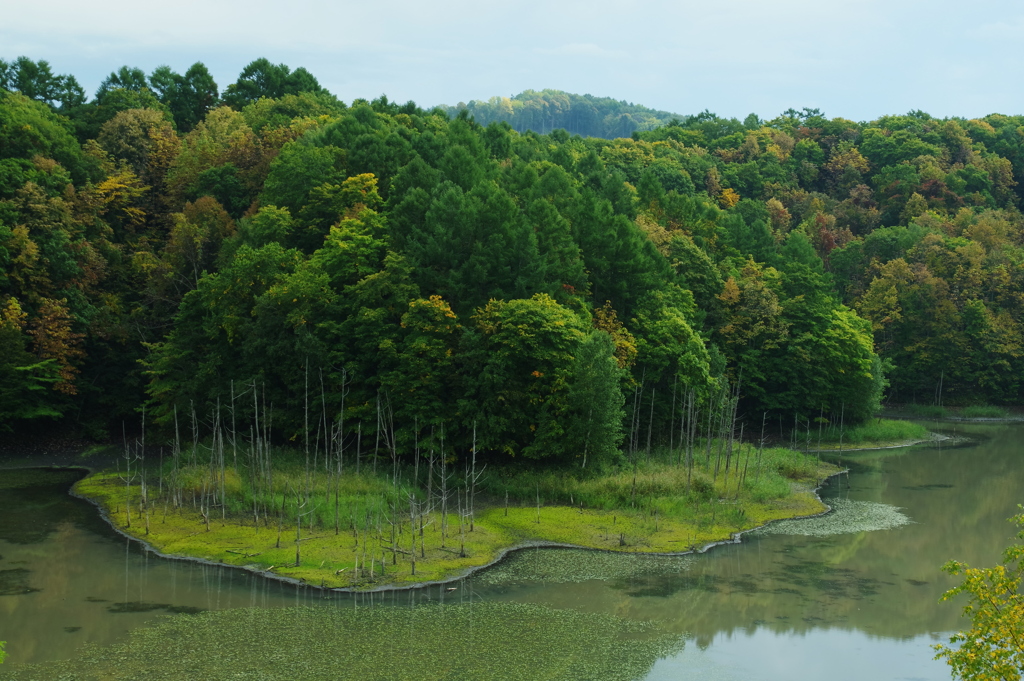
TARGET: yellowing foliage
(993,648)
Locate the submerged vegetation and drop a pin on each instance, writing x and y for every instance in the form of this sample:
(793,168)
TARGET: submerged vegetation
(579,565)
(437,641)
(847,516)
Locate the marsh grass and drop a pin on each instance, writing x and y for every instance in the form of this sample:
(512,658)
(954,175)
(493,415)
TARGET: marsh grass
(870,434)
(927,411)
(363,530)
(983,411)
(975,411)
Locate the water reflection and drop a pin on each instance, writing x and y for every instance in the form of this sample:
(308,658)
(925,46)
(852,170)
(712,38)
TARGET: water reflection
(878,591)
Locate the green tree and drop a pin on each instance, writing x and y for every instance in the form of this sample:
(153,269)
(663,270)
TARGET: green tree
(189,97)
(261,78)
(520,354)
(29,128)
(592,422)
(37,81)
(993,648)
(125,78)
(137,136)
(270,224)
(90,117)
(223,137)
(215,338)
(299,168)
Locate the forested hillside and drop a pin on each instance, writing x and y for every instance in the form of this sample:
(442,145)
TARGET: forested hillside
(397,273)
(550,110)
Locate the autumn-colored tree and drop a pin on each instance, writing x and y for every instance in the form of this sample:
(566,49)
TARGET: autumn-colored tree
(195,239)
(605,319)
(25,380)
(221,138)
(53,339)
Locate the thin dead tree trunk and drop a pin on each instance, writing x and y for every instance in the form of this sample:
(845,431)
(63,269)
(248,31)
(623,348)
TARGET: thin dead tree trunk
(650,422)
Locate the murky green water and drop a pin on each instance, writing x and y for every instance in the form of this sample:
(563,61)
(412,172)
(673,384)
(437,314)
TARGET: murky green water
(852,597)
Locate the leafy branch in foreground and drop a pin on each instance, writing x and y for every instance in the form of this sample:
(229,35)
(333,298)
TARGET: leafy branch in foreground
(993,648)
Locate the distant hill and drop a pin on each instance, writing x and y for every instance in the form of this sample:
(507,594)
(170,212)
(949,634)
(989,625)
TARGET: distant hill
(549,110)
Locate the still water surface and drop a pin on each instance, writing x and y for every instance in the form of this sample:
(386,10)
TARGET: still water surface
(850,605)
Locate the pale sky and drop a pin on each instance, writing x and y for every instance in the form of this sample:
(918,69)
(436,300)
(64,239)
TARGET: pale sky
(857,60)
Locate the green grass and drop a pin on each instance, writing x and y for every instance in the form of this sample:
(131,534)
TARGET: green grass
(885,430)
(981,411)
(662,475)
(927,411)
(870,434)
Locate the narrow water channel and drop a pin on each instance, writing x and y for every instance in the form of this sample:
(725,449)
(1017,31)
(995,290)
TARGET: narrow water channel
(854,596)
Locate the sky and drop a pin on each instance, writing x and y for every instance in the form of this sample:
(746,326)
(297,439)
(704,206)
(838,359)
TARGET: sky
(855,59)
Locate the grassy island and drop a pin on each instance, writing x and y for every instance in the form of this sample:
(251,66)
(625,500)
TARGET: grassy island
(365,528)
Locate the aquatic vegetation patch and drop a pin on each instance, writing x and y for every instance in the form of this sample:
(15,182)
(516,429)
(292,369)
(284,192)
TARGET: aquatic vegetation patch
(32,504)
(479,641)
(847,517)
(14,582)
(145,606)
(18,478)
(663,586)
(579,565)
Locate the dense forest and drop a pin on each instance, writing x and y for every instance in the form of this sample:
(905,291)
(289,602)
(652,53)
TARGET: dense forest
(403,273)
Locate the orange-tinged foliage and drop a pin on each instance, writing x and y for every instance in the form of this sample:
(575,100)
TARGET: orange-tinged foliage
(52,338)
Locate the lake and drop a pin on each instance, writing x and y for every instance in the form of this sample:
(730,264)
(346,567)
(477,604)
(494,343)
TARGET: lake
(853,595)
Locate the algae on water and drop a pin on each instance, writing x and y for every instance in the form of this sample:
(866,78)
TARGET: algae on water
(579,565)
(847,517)
(479,641)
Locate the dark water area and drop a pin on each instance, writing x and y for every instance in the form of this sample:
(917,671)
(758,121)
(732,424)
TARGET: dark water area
(854,595)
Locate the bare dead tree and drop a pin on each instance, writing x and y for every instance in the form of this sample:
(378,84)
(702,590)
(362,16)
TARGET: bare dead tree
(471,482)
(650,422)
(412,531)
(760,447)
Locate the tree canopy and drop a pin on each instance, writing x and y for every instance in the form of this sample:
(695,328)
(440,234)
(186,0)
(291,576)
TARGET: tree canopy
(554,293)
